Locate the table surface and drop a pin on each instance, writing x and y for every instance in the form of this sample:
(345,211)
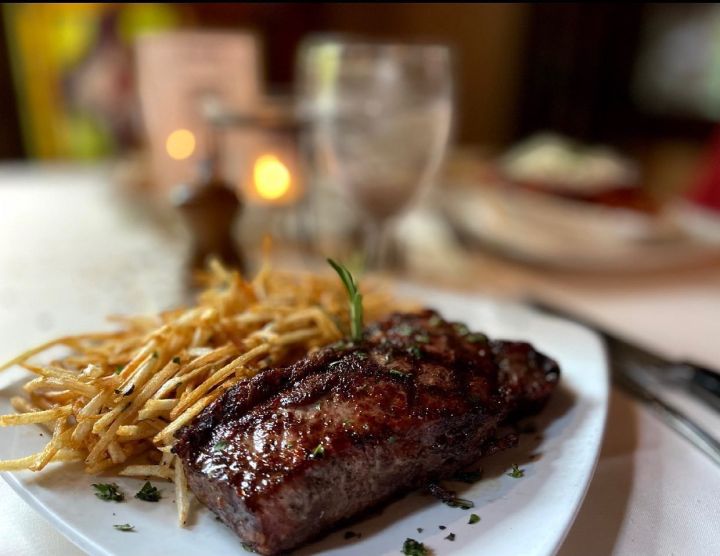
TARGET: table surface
(62,229)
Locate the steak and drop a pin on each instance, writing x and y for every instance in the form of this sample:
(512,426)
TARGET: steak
(286,455)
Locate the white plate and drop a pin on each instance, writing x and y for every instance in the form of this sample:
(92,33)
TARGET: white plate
(528,516)
(544,229)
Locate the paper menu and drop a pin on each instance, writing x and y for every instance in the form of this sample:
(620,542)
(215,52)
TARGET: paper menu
(178,72)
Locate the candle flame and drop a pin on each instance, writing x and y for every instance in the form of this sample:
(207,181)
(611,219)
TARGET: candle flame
(180,144)
(271,177)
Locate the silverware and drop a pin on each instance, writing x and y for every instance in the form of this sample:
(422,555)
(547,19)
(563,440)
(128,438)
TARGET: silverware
(700,382)
(635,369)
(670,414)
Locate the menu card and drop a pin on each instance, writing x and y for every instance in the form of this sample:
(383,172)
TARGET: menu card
(179,75)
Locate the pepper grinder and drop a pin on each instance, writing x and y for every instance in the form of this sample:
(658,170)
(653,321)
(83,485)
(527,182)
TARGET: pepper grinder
(209,207)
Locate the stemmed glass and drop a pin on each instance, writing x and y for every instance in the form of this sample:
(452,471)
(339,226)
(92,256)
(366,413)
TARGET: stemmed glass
(380,116)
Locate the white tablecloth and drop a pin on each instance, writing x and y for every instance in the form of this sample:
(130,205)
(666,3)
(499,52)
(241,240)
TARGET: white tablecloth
(62,246)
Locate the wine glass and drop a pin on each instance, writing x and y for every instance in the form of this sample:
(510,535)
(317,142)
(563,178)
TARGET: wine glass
(380,116)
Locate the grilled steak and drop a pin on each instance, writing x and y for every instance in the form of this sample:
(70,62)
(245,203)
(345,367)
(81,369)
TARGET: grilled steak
(286,455)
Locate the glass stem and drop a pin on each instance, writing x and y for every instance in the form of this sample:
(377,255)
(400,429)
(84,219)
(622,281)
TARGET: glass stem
(376,243)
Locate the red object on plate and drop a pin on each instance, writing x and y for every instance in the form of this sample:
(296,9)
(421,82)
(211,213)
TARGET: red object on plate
(705,192)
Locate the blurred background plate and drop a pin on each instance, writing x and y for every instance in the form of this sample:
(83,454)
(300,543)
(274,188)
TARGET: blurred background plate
(545,229)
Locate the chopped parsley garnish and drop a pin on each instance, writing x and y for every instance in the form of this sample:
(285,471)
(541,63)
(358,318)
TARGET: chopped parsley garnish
(516,472)
(220,445)
(468,477)
(355,298)
(460,503)
(148,493)
(398,373)
(461,329)
(125,527)
(108,492)
(118,369)
(422,338)
(404,330)
(474,518)
(434,321)
(450,537)
(414,351)
(392,440)
(340,344)
(248,547)
(361,355)
(477,338)
(318,451)
(176,360)
(411,547)
(448,497)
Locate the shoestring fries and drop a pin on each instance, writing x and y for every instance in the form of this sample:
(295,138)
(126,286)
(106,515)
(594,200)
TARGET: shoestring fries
(115,400)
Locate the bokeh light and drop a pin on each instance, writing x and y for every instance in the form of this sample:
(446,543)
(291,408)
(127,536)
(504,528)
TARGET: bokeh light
(180,144)
(271,177)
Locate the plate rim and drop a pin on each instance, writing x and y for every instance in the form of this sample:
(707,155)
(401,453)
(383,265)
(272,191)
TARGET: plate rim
(604,411)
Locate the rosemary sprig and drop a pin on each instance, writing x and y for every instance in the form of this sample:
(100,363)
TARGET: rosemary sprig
(355,297)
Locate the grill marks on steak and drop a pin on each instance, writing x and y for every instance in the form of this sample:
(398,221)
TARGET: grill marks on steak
(287,454)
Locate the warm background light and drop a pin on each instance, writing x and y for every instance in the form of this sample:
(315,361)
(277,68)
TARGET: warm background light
(271,177)
(180,144)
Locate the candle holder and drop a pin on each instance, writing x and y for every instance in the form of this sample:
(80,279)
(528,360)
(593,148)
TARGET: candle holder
(271,170)
(268,165)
